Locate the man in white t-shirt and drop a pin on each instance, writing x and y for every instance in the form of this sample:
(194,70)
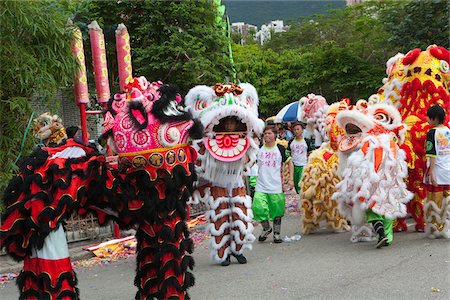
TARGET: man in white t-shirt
(269,199)
(437,176)
(299,154)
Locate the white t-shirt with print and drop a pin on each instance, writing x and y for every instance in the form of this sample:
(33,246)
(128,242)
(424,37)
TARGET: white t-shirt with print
(270,161)
(438,146)
(299,151)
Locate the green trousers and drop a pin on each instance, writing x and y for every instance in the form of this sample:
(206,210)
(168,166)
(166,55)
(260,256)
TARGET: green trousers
(387,223)
(298,171)
(268,206)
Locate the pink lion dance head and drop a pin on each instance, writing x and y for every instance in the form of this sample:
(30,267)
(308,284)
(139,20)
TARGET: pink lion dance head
(147,127)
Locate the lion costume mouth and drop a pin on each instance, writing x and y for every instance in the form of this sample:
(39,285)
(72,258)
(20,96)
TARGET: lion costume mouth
(356,124)
(353,136)
(375,120)
(229,114)
(229,141)
(352,129)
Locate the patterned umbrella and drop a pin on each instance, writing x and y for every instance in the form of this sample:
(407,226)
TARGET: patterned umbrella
(289,113)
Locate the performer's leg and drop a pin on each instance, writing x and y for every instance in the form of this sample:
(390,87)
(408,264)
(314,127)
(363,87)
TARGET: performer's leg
(388,229)
(242,227)
(298,171)
(330,210)
(48,273)
(260,208)
(361,230)
(276,210)
(335,219)
(446,212)
(308,217)
(162,262)
(417,212)
(218,214)
(277,230)
(377,222)
(437,211)
(400,223)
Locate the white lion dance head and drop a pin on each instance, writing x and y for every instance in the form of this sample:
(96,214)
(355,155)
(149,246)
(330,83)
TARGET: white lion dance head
(49,129)
(229,114)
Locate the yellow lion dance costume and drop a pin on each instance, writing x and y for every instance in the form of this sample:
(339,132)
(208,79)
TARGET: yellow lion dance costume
(319,180)
(415,82)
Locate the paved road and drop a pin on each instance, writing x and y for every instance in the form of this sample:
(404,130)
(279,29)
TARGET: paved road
(319,266)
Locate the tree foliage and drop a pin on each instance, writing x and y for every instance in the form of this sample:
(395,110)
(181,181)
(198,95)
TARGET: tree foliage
(417,24)
(339,54)
(285,76)
(36,60)
(175,41)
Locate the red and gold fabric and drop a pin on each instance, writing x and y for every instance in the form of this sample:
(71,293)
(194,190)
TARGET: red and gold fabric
(46,191)
(156,159)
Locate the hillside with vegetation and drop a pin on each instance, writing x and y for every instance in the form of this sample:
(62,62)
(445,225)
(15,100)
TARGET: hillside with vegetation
(262,12)
(341,54)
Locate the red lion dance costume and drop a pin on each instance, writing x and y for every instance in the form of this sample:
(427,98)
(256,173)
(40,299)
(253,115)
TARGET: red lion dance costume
(229,114)
(416,81)
(150,132)
(52,183)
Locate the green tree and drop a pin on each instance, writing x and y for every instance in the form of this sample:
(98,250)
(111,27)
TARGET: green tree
(260,68)
(177,37)
(236,37)
(340,54)
(36,60)
(417,24)
(357,27)
(250,37)
(285,76)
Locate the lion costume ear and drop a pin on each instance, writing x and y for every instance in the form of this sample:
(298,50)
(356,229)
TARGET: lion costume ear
(249,96)
(198,98)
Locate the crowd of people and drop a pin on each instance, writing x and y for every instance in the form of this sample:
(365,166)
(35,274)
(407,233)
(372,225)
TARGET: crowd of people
(285,145)
(278,166)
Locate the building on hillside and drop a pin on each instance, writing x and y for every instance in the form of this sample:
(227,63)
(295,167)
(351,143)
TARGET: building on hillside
(243,30)
(266,31)
(354,2)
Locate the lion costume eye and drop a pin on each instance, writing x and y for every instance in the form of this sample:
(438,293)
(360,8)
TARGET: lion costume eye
(383,117)
(200,105)
(303,101)
(248,102)
(443,65)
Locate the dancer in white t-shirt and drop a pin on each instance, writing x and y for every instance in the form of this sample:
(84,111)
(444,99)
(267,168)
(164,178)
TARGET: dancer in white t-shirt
(269,199)
(437,176)
(299,154)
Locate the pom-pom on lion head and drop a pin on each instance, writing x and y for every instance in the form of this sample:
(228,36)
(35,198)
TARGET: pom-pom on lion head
(335,133)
